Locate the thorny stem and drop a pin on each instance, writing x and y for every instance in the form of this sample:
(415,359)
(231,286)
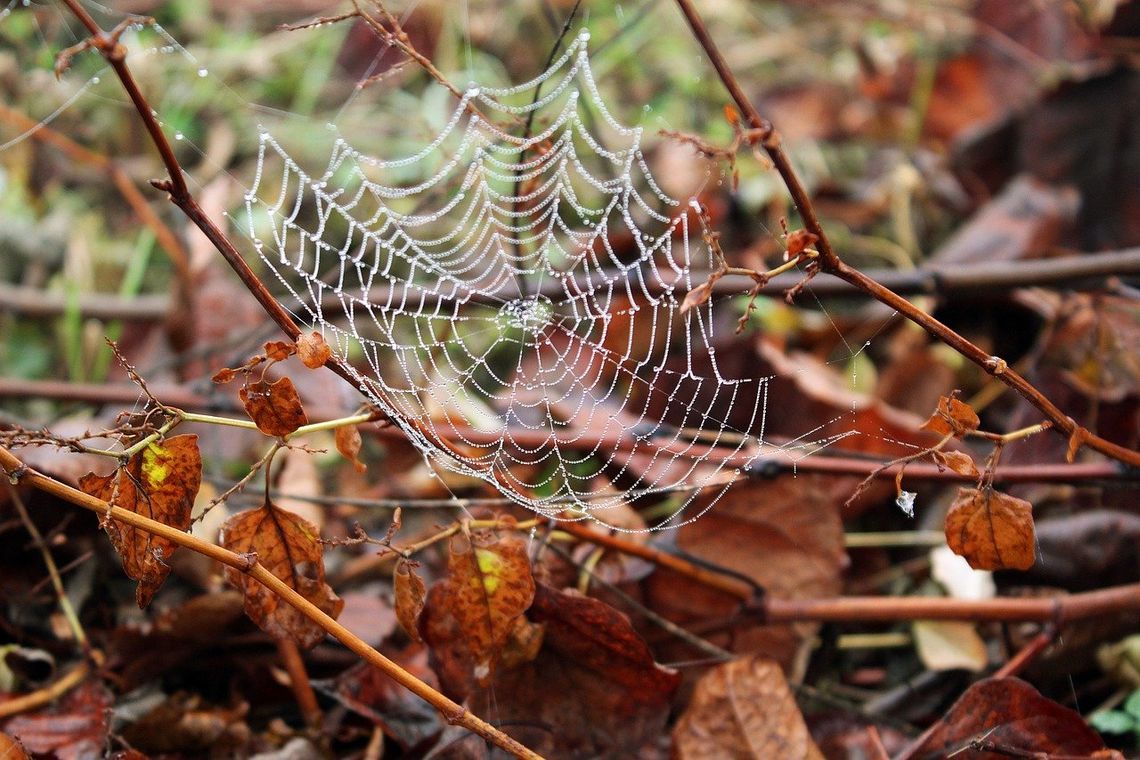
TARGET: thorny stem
(16,470)
(830,262)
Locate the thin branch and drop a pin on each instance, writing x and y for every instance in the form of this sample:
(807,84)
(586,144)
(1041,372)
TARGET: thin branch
(454,713)
(829,261)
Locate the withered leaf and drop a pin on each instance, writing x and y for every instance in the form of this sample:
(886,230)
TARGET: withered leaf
(957,461)
(73,728)
(287,546)
(952,417)
(409,593)
(274,407)
(794,524)
(160,482)
(473,610)
(11,749)
(991,530)
(224,375)
(313,350)
(743,709)
(348,443)
(1011,713)
(279,350)
(697,296)
(594,684)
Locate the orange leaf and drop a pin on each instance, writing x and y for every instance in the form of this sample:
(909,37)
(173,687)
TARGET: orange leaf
(279,350)
(410,594)
(313,351)
(488,586)
(731,114)
(287,546)
(224,375)
(348,444)
(274,407)
(952,417)
(743,709)
(160,482)
(957,461)
(992,530)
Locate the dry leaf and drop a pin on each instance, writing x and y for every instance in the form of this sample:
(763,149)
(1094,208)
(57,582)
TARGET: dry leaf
(592,691)
(160,482)
(743,709)
(949,645)
(313,351)
(952,417)
(785,534)
(274,407)
(224,375)
(72,728)
(992,530)
(469,615)
(287,546)
(348,443)
(410,594)
(1011,713)
(957,461)
(279,350)
(697,296)
(11,749)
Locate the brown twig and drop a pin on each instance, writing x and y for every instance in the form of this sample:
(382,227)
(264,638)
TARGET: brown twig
(12,467)
(47,694)
(830,262)
(299,682)
(1028,653)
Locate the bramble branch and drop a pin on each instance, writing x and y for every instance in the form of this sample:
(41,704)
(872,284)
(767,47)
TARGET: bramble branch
(830,262)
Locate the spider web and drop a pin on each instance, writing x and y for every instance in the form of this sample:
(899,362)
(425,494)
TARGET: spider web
(519,311)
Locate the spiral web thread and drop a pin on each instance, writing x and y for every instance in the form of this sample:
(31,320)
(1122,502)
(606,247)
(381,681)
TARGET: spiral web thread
(506,333)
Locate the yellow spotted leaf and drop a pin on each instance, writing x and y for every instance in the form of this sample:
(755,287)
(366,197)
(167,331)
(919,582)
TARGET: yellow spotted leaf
(288,546)
(274,407)
(991,530)
(160,482)
(470,615)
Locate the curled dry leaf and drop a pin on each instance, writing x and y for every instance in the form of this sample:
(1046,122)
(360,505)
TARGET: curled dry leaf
(956,461)
(313,351)
(952,417)
(992,530)
(348,443)
(743,709)
(1010,713)
(274,407)
(698,296)
(74,727)
(410,594)
(469,615)
(287,546)
(160,482)
(279,350)
(224,375)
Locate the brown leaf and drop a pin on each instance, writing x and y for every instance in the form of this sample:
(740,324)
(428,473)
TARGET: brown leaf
(473,610)
(279,350)
(348,443)
(952,417)
(186,724)
(594,684)
(957,461)
(313,351)
(1010,713)
(698,296)
(743,709)
(410,594)
(274,407)
(785,534)
(160,482)
(73,728)
(224,375)
(992,530)
(287,546)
